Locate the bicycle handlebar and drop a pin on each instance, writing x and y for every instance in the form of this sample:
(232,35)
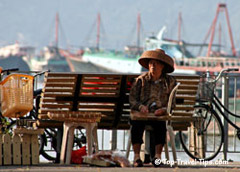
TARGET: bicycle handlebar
(221,72)
(9,70)
(232,69)
(40,73)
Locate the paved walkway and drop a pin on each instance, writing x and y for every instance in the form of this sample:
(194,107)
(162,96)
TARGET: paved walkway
(230,167)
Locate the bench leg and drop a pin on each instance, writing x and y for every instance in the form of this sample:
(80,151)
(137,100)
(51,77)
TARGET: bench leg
(59,143)
(68,138)
(148,146)
(69,144)
(95,138)
(128,144)
(172,141)
(166,150)
(64,143)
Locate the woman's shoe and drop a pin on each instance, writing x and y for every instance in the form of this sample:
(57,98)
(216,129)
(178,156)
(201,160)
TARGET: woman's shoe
(138,163)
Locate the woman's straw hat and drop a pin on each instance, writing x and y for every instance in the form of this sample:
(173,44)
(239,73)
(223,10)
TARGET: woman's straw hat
(157,54)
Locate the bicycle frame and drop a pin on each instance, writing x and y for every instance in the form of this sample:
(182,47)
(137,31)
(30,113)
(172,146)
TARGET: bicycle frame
(216,104)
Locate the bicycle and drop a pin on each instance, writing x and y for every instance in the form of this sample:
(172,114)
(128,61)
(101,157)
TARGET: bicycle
(9,121)
(16,109)
(206,136)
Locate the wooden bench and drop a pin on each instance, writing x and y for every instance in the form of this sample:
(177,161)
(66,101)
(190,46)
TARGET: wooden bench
(107,94)
(66,94)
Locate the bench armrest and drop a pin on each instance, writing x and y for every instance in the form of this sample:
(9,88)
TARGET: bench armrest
(172,94)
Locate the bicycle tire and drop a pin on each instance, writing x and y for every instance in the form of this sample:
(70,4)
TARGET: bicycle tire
(48,143)
(208,135)
(47,147)
(43,150)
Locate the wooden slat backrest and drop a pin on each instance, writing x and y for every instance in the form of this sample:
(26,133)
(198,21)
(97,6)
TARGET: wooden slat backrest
(108,94)
(185,101)
(57,85)
(101,93)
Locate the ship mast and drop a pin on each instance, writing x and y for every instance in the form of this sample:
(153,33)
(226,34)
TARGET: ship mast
(138,32)
(56,31)
(179,26)
(221,7)
(98,31)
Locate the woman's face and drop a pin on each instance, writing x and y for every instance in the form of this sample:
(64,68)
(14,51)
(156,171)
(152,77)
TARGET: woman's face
(155,67)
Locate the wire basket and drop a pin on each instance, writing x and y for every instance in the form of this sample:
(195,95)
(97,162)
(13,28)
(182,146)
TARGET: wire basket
(206,90)
(16,95)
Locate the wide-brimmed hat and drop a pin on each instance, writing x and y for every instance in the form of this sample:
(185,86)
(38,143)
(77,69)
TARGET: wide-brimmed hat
(157,54)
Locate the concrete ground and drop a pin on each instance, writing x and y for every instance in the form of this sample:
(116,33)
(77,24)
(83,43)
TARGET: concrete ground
(230,167)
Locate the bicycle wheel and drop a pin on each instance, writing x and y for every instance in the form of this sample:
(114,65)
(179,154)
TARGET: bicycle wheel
(48,144)
(50,149)
(204,138)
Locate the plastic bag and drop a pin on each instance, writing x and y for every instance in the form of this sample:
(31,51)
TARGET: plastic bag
(115,157)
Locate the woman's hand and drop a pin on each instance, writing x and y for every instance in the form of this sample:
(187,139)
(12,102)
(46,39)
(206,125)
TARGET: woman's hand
(160,112)
(143,109)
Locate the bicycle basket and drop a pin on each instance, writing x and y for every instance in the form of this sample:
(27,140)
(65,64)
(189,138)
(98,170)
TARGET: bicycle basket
(206,90)
(16,95)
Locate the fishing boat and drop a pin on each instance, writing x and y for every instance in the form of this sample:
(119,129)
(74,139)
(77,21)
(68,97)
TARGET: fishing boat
(110,61)
(57,59)
(185,61)
(115,61)
(16,56)
(77,64)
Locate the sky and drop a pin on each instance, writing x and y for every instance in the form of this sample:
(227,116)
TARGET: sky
(32,22)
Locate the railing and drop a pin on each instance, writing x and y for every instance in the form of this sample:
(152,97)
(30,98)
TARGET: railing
(231,98)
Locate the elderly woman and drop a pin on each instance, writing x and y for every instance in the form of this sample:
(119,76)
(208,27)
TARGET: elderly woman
(149,94)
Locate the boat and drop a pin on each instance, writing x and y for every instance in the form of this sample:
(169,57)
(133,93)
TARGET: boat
(111,61)
(185,61)
(77,64)
(115,61)
(16,56)
(57,59)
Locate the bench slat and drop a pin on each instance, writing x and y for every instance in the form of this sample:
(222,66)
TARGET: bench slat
(56,106)
(184,108)
(52,84)
(90,85)
(187,102)
(99,91)
(49,124)
(189,92)
(188,82)
(58,90)
(44,95)
(188,87)
(185,97)
(55,80)
(182,114)
(97,106)
(52,100)
(66,74)
(101,81)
